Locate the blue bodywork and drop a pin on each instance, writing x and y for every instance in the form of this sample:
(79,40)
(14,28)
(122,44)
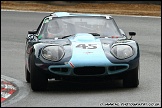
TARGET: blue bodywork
(92,53)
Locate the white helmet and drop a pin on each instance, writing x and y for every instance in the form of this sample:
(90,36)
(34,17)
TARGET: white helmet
(55,28)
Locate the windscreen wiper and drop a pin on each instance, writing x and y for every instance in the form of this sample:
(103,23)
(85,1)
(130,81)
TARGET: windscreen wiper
(66,36)
(95,34)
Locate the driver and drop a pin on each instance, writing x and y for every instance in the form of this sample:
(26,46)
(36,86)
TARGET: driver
(54,29)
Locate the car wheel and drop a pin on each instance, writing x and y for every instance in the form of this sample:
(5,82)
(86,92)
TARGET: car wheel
(38,79)
(27,75)
(131,79)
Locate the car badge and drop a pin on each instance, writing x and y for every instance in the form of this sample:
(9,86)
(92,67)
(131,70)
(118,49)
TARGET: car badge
(88,52)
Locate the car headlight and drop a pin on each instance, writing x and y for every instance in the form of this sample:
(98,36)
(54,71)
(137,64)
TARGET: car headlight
(122,51)
(53,53)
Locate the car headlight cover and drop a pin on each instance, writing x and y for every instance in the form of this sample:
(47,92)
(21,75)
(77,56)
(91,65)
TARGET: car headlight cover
(53,53)
(122,51)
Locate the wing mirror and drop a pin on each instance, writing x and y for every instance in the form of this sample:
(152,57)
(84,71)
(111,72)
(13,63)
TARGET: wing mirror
(32,32)
(31,35)
(132,34)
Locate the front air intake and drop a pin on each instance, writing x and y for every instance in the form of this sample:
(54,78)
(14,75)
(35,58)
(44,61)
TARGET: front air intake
(92,70)
(115,68)
(59,69)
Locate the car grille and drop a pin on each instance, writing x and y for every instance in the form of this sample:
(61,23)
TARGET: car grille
(59,69)
(92,70)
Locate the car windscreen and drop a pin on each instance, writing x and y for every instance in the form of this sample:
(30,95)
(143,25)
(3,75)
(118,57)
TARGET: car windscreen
(64,26)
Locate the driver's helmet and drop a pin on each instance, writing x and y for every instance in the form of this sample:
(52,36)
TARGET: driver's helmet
(55,28)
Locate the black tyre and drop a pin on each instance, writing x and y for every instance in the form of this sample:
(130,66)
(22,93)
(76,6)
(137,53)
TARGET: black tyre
(27,75)
(38,79)
(131,79)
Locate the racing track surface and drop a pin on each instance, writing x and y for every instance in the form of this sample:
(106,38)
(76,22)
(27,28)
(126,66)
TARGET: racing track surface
(14,27)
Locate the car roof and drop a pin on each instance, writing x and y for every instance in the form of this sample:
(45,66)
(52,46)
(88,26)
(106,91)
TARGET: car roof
(62,14)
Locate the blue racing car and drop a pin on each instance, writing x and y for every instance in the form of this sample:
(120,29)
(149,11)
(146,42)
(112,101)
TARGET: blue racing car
(76,46)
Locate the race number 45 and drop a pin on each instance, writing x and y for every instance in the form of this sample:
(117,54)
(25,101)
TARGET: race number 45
(87,46)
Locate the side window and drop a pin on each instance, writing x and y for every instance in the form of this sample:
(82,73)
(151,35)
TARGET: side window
(40,25)
(38,29)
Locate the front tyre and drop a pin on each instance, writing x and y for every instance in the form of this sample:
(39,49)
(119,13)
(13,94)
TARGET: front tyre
(27,75)
(131,79)
(38,79)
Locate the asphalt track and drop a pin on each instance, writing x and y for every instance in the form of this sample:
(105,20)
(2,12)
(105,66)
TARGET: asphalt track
(14,27)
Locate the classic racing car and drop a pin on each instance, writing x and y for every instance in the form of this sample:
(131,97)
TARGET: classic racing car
(77,46)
